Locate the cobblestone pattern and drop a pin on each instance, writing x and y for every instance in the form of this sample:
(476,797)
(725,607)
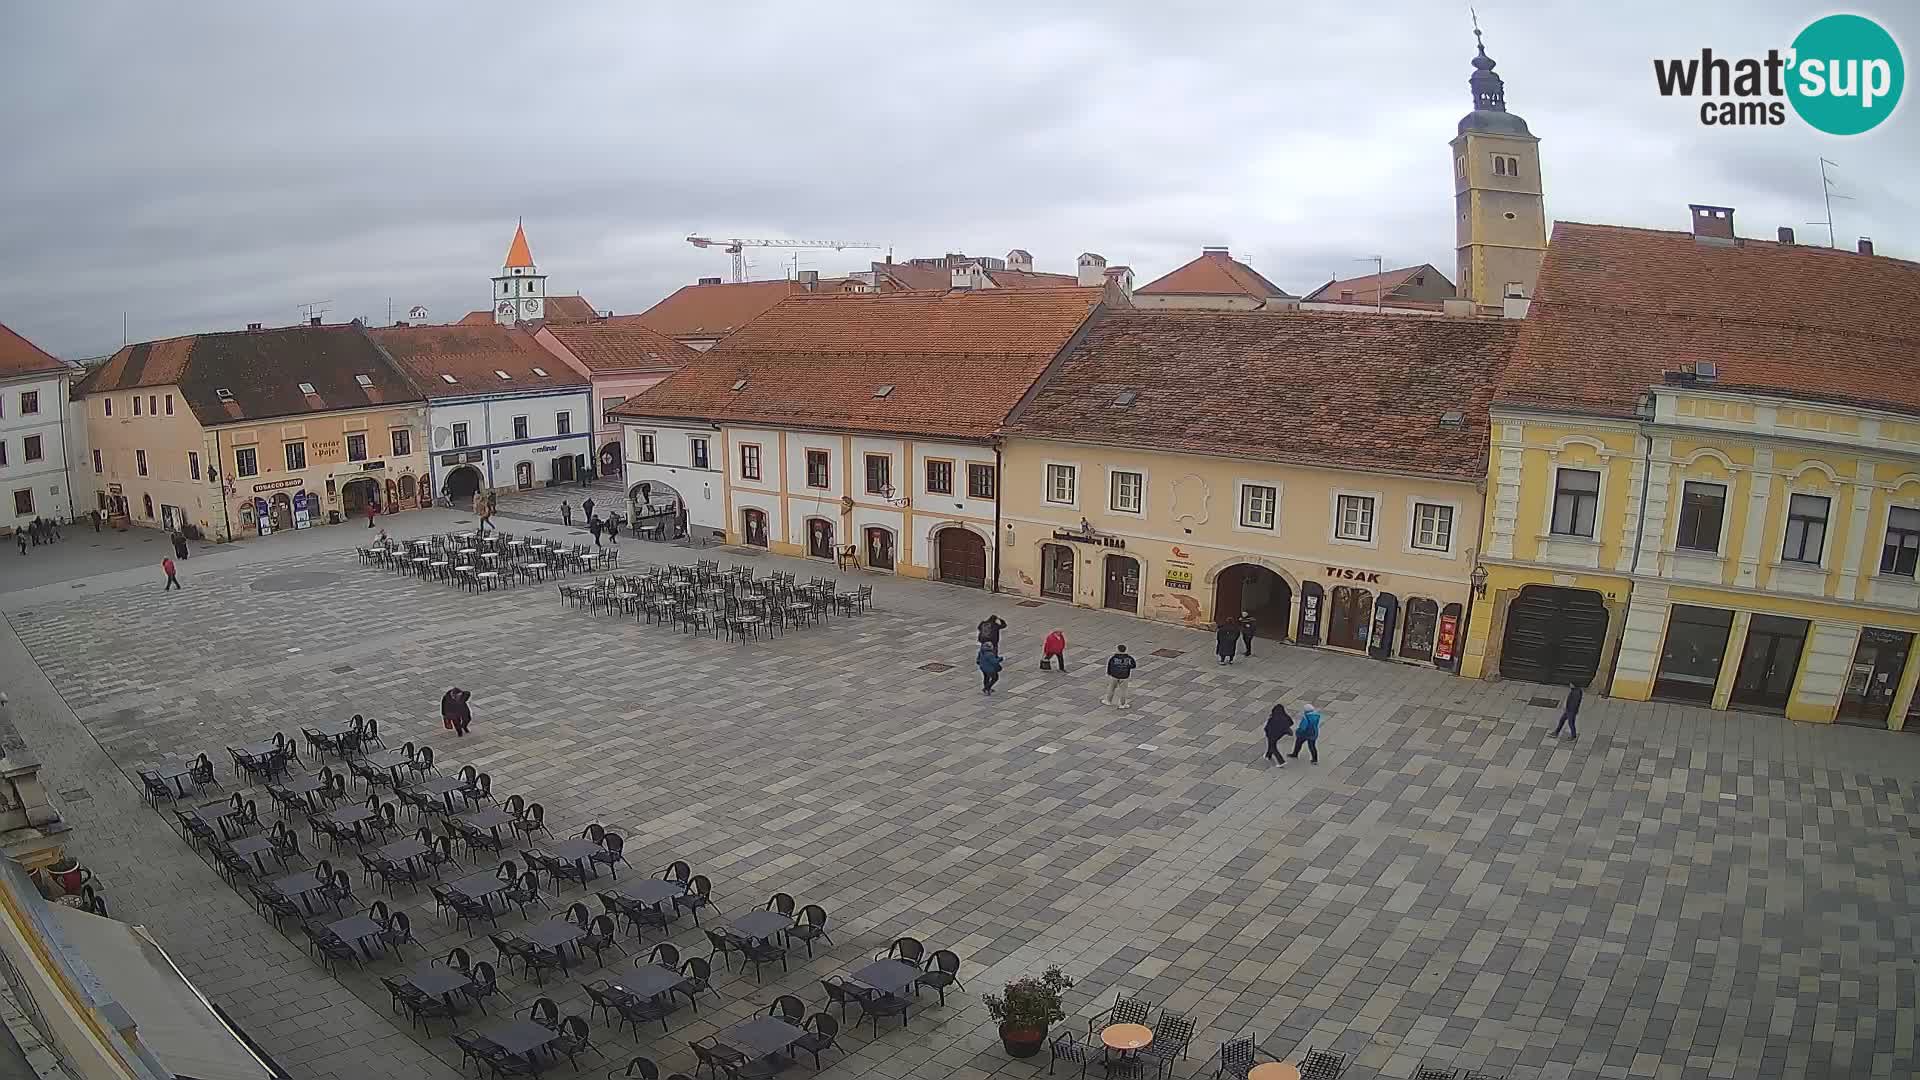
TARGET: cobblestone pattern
(1681,894)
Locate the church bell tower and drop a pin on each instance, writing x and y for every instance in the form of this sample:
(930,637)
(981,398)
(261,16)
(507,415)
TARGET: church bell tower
(520,289)
(1499,204)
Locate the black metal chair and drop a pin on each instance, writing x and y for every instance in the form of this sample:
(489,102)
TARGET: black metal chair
(612,850)
(1172,1035)
(1069,1048)
(789,1008)
(943,970)
(782,903)
(811,924)
(696,977)
(699,894)
(1122,1011)
(644,1069)
(823,1032)
(1320,1064)
(875,1006)
(1238,1057)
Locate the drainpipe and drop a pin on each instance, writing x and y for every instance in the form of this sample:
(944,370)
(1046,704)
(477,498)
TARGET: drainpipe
(1466,621)
(1633,569)
(220,461)
(66,448)
(999,497)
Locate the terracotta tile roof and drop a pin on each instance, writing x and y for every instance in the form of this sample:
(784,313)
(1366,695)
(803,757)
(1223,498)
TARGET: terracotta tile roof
(1030,279)
(1615,307)
(1215,273)
(708,312)
(1359,391)
(476,318)
(18,356)
(956,362)
(902,277)
(261,371)
(474,355)
(1375,289)
(607,346)
(518,253)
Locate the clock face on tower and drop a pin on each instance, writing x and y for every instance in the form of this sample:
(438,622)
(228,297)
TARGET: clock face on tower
(505,308)
(531,305)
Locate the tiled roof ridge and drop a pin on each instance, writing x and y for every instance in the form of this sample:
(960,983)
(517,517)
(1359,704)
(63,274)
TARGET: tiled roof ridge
(1743,241)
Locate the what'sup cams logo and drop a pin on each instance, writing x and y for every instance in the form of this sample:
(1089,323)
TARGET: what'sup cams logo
(1843,75)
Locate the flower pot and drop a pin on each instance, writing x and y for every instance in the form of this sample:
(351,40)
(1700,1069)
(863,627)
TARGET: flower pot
(70,875)
(1022,1042)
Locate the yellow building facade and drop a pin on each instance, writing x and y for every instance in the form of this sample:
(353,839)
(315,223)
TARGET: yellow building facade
(1704,477)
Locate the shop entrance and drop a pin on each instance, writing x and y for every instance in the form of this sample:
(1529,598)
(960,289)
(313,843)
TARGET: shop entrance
(1123,583)
(879,548)
(356,494)
(610,463)
(1878,662)
(1423,620)
(753,527)
(1259,592)
(1691,656)
(1768,663)
(523,475)
(820,538)
(462,482)
(1554,636)
(1056,571)
(1349,617)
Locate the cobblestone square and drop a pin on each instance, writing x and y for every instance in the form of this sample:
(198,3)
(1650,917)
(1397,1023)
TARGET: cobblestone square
(1680,894)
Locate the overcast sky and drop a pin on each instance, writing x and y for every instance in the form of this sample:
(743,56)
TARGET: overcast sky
(201,166)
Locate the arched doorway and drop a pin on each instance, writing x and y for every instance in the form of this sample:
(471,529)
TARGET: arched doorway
(523,475)
(961,556)
(656,510)
(1349,617)
(820,538)
(1423,619)
(356,494)
(753,527)
(146,505)
(1554,635)
(1056,571)
(1259,592)
(390,505)
(406,489)
(461,483)
(879,548)
(283,511)
(1123,583)
(612,461)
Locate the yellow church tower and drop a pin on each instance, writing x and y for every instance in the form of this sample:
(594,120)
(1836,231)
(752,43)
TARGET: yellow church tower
(1501,218)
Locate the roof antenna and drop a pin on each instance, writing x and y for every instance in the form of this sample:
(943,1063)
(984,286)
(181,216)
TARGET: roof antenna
(1379,270)
(1826,190)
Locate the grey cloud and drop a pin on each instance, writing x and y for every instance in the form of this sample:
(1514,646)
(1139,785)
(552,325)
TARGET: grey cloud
(204,166)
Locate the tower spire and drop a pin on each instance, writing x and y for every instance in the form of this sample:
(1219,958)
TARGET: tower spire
(1489,92)
(518,253)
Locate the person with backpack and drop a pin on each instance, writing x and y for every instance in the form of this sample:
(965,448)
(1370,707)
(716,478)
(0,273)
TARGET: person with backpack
(989,662)
(1119,672)
(990,628)
(1054,650)
(1279,725)
(1308,733)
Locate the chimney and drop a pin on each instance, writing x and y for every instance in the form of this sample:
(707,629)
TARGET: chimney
(1712,224)
(1093,269)
(1866,245)
(1456,307)
(962,277)
(313,320)
(1020,259)
(1220,251)
(1119,286)
(810,280)
(1786,235)
(708,281)
(253,326)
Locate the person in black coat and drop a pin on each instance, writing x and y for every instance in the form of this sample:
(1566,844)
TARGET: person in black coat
(453,708)
(1226,640)
(989,631)
(1247,627)
(1569,713)
(1279,726)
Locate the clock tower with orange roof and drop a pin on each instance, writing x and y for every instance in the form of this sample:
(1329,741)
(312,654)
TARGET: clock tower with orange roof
(520,289)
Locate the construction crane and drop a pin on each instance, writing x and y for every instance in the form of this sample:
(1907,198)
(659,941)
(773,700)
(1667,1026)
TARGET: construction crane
(737,248)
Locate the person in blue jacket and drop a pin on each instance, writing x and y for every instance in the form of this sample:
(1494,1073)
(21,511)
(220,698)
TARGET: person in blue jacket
(989,662)
(1308,734)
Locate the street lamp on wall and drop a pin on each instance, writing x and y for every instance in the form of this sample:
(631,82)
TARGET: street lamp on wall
(1478,579)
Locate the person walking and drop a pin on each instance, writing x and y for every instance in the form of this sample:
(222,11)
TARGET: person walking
(172,581)
(480,510)
(96,521)
(20,534)
(990,628)
(566,513)
(989,661)
(1054,650)
(594,527)
(613,528)
(1226,640)
(455,711)
(1279,724)
(373,511)
(1247,627)
(586,508)
(1569,713)
(1119,670)
(180,543)
(1308,733)
(493,505)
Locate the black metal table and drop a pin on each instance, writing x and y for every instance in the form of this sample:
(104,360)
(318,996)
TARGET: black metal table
(253,845)
(404,851)
(444,786)
(887,976)
(579,851)
(298,885)
(761,925)
(479,886)
(357,929)
(651,980)
(653,891)
(430,978)
(350,815)
(519,1036)
(763,1036)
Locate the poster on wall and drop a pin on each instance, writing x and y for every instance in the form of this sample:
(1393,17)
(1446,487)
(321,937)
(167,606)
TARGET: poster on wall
(1443,641)
(1179,575)
(303,508)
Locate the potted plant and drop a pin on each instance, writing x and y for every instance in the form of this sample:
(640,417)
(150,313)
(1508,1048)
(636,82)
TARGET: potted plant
(1028,1008)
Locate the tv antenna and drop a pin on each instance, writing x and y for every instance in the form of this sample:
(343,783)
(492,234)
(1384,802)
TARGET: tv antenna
(1826,191)
(317,307)
(1379,270)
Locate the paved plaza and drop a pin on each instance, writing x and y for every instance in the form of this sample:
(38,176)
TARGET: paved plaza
(1679,894)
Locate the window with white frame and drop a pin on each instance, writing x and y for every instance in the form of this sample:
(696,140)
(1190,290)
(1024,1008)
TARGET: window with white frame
(1901,552)
(749,461)
(296,456)
(1259,506)
(819,469)
(699,452)
(459,435)
(1576,500)
(246,461)
(357,447)
(1806,529)
(1126,491)
(1060,484)
(646,447)
(1432,527)
(1353,518)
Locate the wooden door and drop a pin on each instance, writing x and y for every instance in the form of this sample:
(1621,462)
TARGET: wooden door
(963,557)
(880,548)
(1123,583)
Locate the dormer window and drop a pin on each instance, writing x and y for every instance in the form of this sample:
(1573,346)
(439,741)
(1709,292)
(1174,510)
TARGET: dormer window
(223,394)
(884,391)
(739,384)
(542,372)
(364,380)
(448,379)
(307,388)
(503,375)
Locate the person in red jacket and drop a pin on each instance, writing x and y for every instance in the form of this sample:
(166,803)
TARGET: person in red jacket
(1054,649)
(172,582)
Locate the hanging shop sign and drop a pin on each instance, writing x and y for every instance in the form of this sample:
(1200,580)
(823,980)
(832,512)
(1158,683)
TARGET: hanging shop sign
(277,485)
(1087,534)
(1179,574)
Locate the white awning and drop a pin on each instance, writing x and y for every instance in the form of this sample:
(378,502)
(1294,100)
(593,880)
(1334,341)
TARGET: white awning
(172,1019)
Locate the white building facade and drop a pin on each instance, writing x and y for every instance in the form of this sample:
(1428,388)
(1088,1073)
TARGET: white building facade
(515,441)
(34,439)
